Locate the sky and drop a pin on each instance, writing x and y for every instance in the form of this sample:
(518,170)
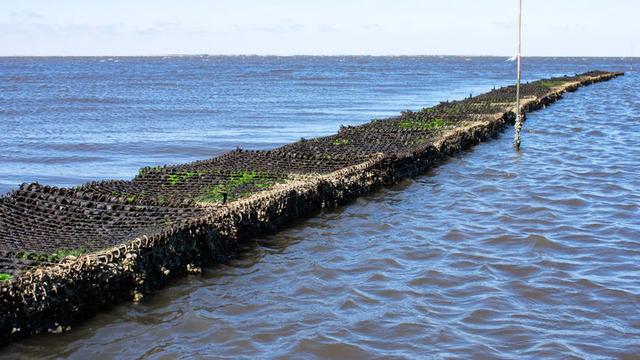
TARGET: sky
(322,27)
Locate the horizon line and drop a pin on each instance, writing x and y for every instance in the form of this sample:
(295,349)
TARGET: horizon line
(326,55)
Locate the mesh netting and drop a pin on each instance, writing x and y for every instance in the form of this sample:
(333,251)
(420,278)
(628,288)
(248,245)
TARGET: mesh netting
(42,224)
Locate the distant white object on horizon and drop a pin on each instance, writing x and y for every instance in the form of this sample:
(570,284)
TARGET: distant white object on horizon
(513,58)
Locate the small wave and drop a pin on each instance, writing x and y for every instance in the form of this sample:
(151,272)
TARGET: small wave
(313,78)
(544,243)
(91,100)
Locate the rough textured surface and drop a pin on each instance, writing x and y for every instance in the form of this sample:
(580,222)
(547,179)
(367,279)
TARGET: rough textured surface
(135,234)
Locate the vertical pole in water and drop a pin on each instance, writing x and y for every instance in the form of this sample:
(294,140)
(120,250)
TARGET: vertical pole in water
(516,140)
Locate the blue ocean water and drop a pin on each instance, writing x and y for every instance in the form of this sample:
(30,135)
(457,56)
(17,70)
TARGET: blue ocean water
(491,255)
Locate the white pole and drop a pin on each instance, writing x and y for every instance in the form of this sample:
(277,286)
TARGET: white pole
(516,140)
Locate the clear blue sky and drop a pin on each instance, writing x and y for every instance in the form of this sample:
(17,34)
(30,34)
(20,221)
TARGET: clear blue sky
(329,27)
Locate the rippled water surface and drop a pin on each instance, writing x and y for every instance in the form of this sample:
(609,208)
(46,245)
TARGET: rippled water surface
(492,254)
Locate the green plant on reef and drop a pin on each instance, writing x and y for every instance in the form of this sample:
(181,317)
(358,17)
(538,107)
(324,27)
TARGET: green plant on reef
(175,179)
(418,141)
(163,200)
(552,83)
(340,141)
(214,194)
(423,125)
(217,193)
(5,277)
(61,254)
(53,257)
(148,169)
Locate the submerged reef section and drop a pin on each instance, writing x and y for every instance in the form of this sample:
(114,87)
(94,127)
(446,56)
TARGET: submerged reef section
(67,253)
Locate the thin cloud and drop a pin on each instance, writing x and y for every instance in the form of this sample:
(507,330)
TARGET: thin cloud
(26,14)
(161,27)
(284,28)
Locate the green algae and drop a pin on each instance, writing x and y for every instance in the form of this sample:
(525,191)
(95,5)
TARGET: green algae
(227,190)
(163,200)
(130,197)
(434,124)
(340,141)
(552,83)
(55,256)
(175,179)
(213,194)
(61,254)
(148,169)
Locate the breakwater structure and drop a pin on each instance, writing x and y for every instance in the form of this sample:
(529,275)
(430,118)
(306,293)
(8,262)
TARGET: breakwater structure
(67,253)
